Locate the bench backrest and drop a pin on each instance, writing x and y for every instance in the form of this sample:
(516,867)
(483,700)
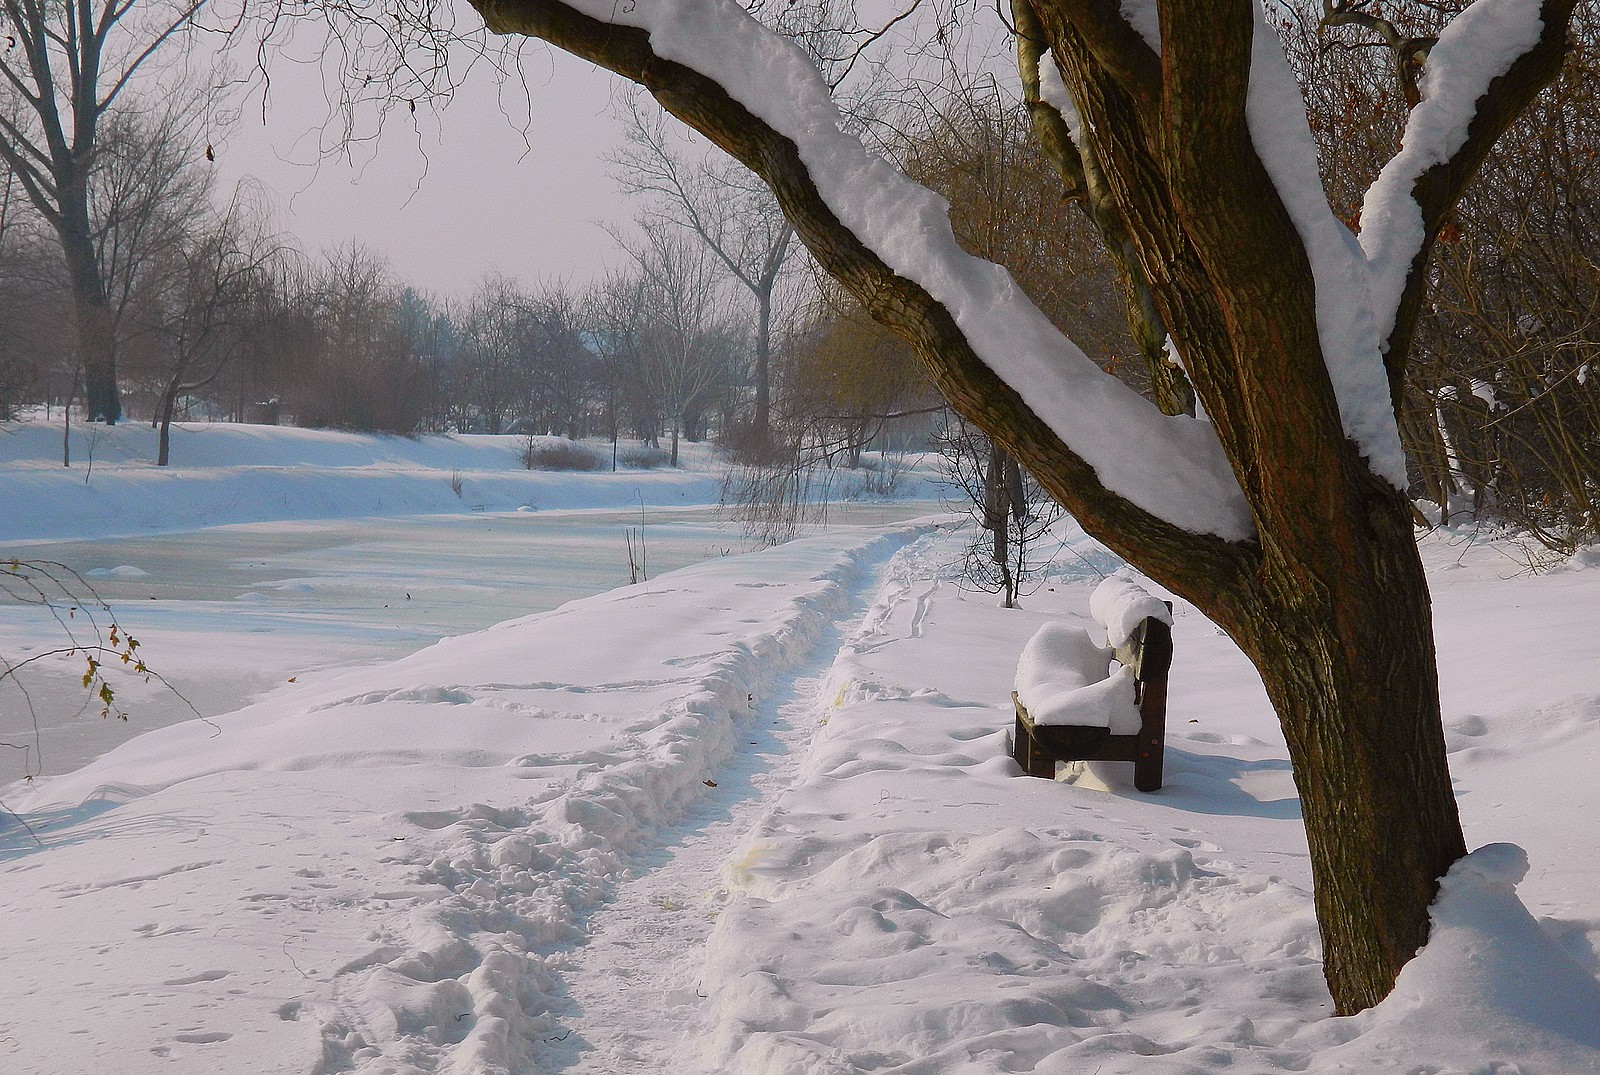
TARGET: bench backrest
(1148,652)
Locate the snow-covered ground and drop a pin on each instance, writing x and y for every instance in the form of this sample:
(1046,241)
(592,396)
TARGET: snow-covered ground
(226,473)
(758,816)
(318,581)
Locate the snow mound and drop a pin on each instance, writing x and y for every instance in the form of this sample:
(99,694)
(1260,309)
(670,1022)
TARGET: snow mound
(1120,605)
(1064,678)
(1491,982)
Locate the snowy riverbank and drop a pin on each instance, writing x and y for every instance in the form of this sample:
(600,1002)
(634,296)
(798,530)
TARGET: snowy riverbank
(223,474)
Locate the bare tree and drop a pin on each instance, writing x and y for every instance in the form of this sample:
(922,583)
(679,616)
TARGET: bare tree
(360,367)
(495,333)
(149,187)
(209,297)
(67,67)
(563,377)
(1013,513)
(612,320)
(681,331)
(33,348)
(728,210)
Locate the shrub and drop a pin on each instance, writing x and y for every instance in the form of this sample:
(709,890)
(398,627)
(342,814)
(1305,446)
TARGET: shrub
(643,457)
(542,454)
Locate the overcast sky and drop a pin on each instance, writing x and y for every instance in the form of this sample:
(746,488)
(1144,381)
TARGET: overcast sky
(506,180)
(458,193)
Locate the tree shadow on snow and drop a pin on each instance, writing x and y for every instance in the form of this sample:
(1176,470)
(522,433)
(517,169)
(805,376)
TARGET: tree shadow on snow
(1218,784)
(33,831)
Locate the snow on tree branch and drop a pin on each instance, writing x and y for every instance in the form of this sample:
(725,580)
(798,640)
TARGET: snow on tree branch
(1352,343)
(1477,47)
(1053,92)
(1171,468)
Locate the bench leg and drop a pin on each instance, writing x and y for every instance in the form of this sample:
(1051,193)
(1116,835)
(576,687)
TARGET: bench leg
(1147,766)
(1150,753)
(1035,761)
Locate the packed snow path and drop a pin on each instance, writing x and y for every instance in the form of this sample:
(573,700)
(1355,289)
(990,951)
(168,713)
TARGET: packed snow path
(636,980)
(635,986)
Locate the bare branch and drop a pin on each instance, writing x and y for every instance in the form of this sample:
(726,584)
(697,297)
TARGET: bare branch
(891,298)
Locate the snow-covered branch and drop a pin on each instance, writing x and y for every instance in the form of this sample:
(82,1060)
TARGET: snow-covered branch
(1488,64)
(1350,339)
(1169,470)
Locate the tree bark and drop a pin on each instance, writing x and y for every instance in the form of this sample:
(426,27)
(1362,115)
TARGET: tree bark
(1343,640)
(1084,182)
(761,424)
(996,508)
(169,403)
(96,336)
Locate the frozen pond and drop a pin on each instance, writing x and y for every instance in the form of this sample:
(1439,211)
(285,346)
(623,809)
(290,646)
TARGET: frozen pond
(228,613)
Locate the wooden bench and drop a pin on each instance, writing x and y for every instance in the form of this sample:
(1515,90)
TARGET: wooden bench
(1148,653)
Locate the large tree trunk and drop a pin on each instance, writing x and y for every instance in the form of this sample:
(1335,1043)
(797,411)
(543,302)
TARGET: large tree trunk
(761,423)
(96,344)
(1344,644)
(169,403)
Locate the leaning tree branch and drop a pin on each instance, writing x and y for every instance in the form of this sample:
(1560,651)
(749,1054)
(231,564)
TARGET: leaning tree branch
(1168,552)
(1410,53)
(1437,189)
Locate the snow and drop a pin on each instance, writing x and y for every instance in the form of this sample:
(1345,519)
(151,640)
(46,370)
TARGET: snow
(1491,983)
(1179,474)
(1064,678)
(1476,47)
(404,836)
(228,473)
(1053,92)
(1120,604)
(228,612)
(759,816)
(1352,345)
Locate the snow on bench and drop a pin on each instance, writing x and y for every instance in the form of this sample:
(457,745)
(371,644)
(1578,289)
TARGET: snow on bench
(1064,678)
(1080,701)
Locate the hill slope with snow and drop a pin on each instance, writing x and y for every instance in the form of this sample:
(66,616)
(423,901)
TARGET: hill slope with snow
(226,473)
